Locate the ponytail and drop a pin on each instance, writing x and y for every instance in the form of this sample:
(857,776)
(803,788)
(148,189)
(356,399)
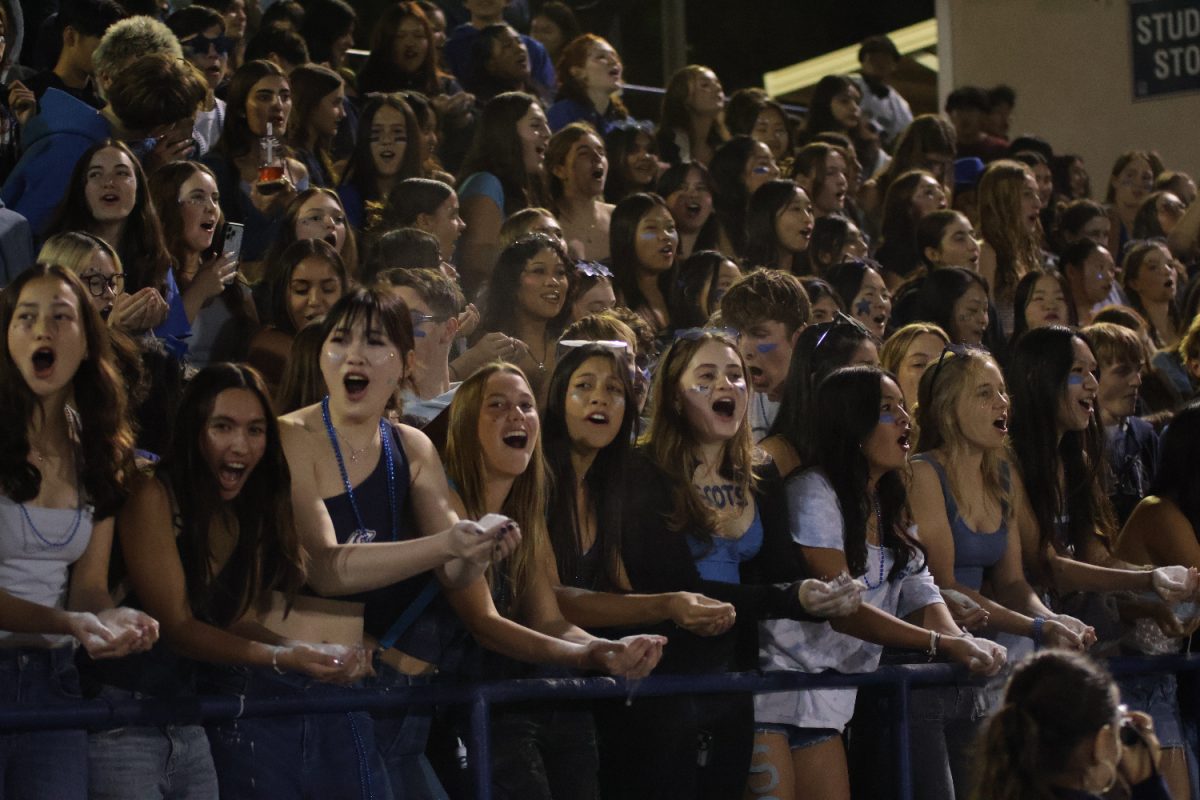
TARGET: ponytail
(1012,768)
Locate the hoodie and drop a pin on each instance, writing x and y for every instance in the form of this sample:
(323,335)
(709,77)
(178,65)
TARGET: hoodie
(54,140)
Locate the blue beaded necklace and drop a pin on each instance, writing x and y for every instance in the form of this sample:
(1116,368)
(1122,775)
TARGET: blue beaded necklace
(879,533)
(364,534)
(59,544)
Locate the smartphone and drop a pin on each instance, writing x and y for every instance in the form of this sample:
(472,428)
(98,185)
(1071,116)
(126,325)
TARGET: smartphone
(233,238)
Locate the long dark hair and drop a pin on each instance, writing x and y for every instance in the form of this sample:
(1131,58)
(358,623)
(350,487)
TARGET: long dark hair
(847,407)
(1037,375)
(672,181)
(1177,478)
(731,200)
(500,311)
(762,241)
(898,251)
(938,293)
(622,241)
(692,290)
(820,107)
(278,277)
(360,172)
(620,140)
(497,149)
(236,137)
(604,479)
(381,73)
(1055,700)
(106,439)
(267,554)
(142,250)
(1023,292)
(819,351)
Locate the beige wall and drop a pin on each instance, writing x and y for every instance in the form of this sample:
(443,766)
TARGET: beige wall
(1069,61)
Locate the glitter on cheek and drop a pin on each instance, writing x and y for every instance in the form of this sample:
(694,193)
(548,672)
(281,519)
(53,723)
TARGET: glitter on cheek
(700,388)
(335,354)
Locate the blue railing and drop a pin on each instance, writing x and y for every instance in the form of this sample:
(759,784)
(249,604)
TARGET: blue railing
(480,697)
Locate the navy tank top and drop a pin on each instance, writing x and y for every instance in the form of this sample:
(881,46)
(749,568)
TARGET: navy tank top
(974,551)
(383,605)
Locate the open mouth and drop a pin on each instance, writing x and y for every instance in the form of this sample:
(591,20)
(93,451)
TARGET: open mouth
(724,407)
(667,250)
(806,233)
(208,227)
(552,297)
(1086,405)
(1053,317)
(277,121)
(110,197)
(516,439)
(230,474)
(356,385)
(332,239)
(1001,423)
(540,150)
(880,320)
(411,54)
(387,155)
(597,418)
(598,174)
(615,73)
(43,362)
(903,441)
(692,208)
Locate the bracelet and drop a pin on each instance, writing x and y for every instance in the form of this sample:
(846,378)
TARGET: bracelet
(935,639)
(275,660)
(1038,622)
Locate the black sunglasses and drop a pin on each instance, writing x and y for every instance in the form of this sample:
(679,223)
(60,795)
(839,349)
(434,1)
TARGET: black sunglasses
(200,44)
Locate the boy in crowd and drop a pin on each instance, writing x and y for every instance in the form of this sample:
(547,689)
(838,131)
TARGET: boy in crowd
(769,309)
(1131,442)
(80,25)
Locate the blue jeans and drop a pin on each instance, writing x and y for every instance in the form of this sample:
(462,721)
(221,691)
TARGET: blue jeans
(401,736)
(35,765)
(171,762)
(300,757)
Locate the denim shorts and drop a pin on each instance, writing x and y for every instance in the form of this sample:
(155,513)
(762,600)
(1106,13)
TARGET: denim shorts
(1156,694)
(797,738)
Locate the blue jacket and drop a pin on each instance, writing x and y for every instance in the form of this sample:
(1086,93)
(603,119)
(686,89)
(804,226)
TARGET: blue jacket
(16,246)
(54,140)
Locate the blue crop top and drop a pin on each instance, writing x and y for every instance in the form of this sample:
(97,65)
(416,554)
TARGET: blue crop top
(974,551)
(721,561)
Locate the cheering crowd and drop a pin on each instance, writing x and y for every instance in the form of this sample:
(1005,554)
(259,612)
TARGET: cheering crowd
(328,374)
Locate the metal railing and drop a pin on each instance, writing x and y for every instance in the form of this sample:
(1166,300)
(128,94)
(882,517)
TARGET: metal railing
(480,697)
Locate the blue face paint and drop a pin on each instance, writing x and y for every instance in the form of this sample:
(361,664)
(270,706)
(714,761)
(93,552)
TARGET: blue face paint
(760,171)
(887,419)
(863,307)
(766,347)
(648,235)
(1074,380)
(418,333)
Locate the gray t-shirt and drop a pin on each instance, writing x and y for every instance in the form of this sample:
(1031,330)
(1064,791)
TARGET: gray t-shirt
(815,519)
(35,559)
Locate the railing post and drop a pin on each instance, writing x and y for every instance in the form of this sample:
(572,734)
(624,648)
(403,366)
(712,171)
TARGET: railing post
(481,746)
(903,753)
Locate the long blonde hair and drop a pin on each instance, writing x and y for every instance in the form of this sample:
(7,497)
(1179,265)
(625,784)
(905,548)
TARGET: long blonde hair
(74,250)
(941,387)
(527,500)
(670,444)
(1001,224)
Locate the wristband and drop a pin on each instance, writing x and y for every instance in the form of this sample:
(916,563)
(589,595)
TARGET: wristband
(275,660)
(934,639)
(1038,622)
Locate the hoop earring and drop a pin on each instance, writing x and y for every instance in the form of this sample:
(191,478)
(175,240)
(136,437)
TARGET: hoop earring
(1112,780)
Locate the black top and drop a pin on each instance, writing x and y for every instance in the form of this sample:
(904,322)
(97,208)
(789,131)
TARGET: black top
(42,81)
(381,606)
(658,560)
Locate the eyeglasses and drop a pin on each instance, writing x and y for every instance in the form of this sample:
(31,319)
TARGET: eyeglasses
(201,44)
(97,283)
(692,334)
(593,269)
